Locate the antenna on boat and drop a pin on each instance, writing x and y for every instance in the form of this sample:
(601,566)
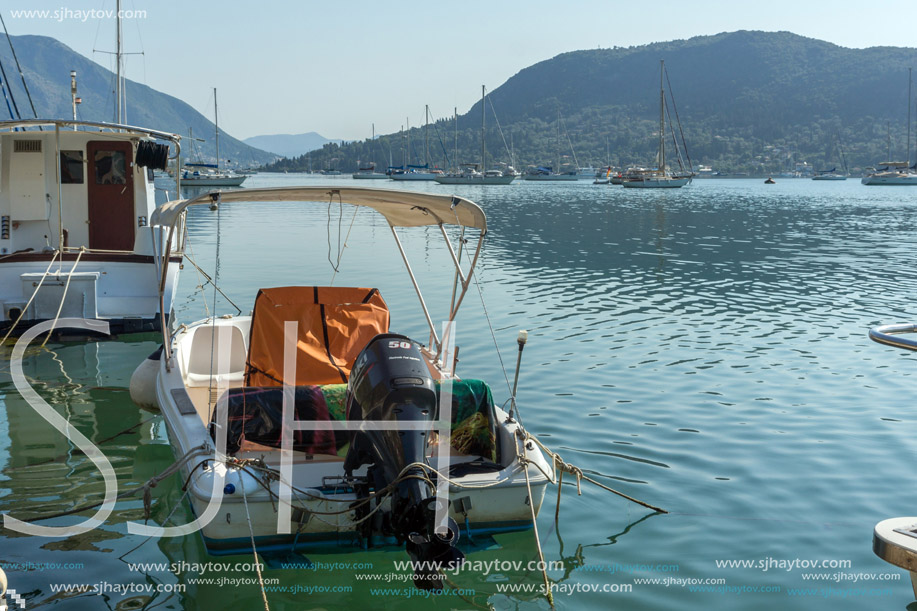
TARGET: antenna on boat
(521,339)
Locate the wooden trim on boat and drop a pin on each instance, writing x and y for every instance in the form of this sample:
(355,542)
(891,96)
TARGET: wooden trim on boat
(21,257)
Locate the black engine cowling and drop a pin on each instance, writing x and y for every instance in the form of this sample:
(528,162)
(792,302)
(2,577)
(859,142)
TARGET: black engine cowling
(390,382)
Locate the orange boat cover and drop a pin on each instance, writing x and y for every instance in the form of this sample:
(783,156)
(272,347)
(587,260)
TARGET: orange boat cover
(335,324)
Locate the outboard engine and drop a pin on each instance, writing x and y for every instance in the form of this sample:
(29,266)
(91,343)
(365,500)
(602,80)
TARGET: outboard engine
(390,382)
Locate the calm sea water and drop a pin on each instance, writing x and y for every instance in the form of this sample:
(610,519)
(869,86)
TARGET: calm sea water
(703,349)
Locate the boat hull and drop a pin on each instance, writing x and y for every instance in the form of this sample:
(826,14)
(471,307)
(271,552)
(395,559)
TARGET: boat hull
(120,289)
(474,180)
(893,179)
(495,500)
(656,183)
(414,176)
(551,177)
(232,181)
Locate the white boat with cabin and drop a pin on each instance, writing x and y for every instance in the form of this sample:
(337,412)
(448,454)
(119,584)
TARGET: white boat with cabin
(76,231)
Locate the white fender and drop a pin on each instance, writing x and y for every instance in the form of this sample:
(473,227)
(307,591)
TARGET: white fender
(143,382)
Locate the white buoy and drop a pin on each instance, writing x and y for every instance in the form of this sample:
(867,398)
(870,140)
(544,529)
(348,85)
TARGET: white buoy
(143,382)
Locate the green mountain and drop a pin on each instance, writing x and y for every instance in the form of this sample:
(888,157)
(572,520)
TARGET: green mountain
(747,101)
(46,64)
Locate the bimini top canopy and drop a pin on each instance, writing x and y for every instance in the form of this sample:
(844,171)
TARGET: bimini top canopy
(114,129)
(400,208)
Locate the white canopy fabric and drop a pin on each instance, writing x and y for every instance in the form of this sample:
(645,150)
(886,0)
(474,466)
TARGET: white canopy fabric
(400,208)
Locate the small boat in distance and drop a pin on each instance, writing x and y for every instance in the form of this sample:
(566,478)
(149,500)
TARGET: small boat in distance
(548,173)
(770,181)
(661,177)
(369,172)
(208,174)
(833,174)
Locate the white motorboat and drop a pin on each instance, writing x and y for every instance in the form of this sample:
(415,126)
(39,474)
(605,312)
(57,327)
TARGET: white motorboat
(76,237)
(382,422)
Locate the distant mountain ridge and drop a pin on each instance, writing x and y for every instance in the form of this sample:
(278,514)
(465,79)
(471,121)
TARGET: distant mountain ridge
(288,145)
(46,64)
(748,101)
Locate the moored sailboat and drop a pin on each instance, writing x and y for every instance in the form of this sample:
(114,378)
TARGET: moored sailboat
(660,177)
(210,174)
(471,174)
(897,173)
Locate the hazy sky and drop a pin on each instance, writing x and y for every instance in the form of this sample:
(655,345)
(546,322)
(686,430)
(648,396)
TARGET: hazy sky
(292,66)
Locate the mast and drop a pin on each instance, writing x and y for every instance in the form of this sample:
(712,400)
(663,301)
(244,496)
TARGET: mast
(372,149)
(908,154)
(483,115)
(407,120)
(426,135)
(119,59)
(455,162)
(661,118)
(216,124)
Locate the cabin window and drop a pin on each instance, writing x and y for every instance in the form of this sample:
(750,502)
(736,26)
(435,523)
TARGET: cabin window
(71,167)
(111,168)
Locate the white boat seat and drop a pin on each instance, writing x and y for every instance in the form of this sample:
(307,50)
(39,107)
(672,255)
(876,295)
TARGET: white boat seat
(204,352)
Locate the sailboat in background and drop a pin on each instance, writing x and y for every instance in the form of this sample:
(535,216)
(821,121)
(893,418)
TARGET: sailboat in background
(900,173)
(369,172)
(833,174)
(209,174)
(471,175)
(419,172)
(661,177)
(547,173)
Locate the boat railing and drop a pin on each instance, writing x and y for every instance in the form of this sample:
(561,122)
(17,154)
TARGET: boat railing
(890,335)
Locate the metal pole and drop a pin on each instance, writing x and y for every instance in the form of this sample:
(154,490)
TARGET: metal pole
(423,304)
(521,339)
(118,60)
(216,124)
(483,115)
(60,200)
(73,94)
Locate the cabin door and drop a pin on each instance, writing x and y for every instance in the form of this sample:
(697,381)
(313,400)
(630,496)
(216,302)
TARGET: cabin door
(110,183)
